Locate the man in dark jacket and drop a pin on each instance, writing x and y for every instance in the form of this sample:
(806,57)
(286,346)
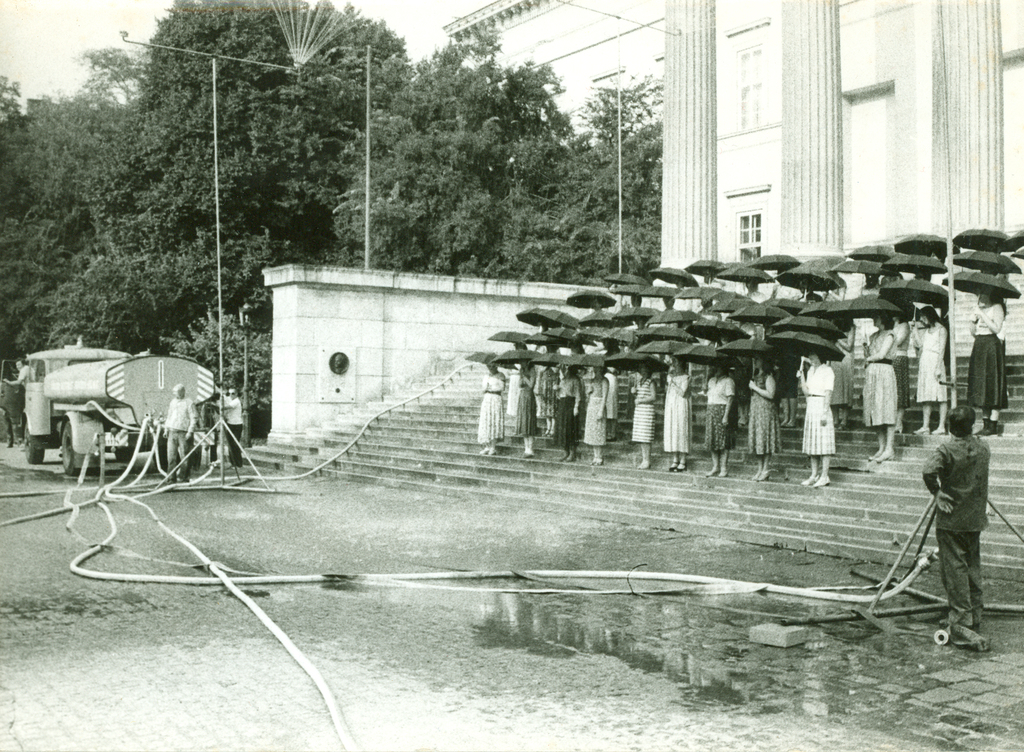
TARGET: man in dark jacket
(957,475)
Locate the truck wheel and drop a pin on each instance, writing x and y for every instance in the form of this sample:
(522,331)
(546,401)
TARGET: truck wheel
(71,459)
(34,450)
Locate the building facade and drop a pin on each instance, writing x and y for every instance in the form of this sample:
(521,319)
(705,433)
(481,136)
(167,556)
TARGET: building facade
(804,126)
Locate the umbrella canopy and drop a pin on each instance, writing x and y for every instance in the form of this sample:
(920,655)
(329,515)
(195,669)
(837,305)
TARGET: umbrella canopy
(876,253)
(624,336)
(747,348)
(672,316)
(992,241)
(860,308)
(804,344)
(514,357)
(701,354)
(706,268)
(634,315)
(661,347)
(776,262)
(984,261)
(809,324)
(978,283)
(859,266)
(728,304)
(664,292)
(554,359)
(543,338)
(633,361)
(482,357)
(560,318)
(758,313)
(904,291)
(1014,243)
(513,337)
(621,278)
(743,273)
(534,317)
(904,262)
(573,336)
(792,307)
(663,333)
(718,331)
(598,320)
(596,299)
(591,360)
(921,245)
(677,277)
(703,294)
(630,289)
(808,279)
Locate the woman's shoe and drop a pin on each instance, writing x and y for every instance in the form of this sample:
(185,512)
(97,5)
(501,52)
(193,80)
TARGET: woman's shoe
(922,431)
(939,432)
(644,466)
(809,481)
(529,454)
(821,482)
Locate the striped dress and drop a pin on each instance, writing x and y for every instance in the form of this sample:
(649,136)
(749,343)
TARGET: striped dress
(492,417)
(643,413)
(819,439)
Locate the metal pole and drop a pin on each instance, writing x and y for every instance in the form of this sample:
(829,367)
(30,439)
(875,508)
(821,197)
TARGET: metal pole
(220,293)
(944,117)
(246,426)
(618,99)
(366,238)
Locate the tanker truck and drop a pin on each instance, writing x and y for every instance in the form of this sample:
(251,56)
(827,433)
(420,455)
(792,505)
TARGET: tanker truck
(76,393)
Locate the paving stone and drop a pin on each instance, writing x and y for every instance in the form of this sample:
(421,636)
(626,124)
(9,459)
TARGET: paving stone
(985,666)
(971,706)
(950,675)
(1016,659)
(1006,678)
(939,695)
(893,689)
(999,698)
(974,687)
(862,679)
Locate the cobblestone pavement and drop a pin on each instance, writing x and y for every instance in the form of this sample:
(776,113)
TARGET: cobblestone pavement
(96,665)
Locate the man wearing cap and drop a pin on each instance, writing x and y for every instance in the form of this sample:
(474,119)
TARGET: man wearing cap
(180,425)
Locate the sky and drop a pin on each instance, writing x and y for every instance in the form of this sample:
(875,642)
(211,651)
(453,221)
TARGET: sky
(41,41)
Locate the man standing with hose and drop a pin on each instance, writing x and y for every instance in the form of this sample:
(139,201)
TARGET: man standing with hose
(957,476)
(180,426)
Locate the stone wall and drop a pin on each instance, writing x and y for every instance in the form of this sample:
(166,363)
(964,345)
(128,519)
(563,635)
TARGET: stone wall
(393,328)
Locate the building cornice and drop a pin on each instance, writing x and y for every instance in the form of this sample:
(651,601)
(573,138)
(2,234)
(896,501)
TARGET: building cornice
(497,13)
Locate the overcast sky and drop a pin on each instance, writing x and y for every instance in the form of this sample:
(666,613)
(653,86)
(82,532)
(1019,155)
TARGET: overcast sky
(41,41)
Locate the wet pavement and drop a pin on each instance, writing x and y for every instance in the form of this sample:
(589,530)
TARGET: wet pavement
(89,664)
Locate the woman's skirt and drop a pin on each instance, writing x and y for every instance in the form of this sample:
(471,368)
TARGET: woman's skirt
(594,431)
(842,389)
(879,395)
(492,420)
(929,388)
(901,367)
(818,439)
(717,436)
(643,423)
(986,377)
(526,414)
(763,427)
(677,424)
(566,430)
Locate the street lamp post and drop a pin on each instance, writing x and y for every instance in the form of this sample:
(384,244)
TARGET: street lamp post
(243,315)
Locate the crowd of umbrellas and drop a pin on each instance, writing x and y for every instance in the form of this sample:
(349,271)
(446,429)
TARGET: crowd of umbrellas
(812,319)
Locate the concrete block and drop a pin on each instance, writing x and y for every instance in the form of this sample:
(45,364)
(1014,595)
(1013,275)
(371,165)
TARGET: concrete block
(778,635)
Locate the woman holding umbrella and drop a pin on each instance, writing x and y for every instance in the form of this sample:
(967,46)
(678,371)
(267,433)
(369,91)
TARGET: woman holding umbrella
(491,428)
(526,412)
(545,385)
(901,366)
(763,424)
(986,376)
(567,410)
(930,338)
(880,387)
(842,394)
(594,434)
(816,383)
(643,414)
(721,392)
(677,414)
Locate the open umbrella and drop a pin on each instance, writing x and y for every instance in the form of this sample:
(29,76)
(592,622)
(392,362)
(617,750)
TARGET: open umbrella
(677,277)
(791,306)
(661,347)
(592,360)
(807,279)
(747,348)
(776,262)
(633,361)
(652,333)
(860,308)
(665,292)
(534,317)
(633,315)
(621,278)
(859,266)
(672,316)
(514,357)
(624,336)
(553,359)
(598,320)
(703,294)
(1014,243)
(700,354)
(875,253)
(923,265)
(984,261)
(992,241)
(573,336)
(802,343)
(718,331)
(758,313)
(482,357)
(921,245)
(543,338)
(706,268)
(729,304)
(809,324)
(623,289)
(743,273)
(513,337)
(978,283)
(904,291)
(590,299)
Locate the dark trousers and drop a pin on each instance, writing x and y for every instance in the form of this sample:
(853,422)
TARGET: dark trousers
(235,446)
(8,426)
(960,564)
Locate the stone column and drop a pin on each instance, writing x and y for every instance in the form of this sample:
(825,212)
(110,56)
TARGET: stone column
(812,153)
(968,115)
(689,214)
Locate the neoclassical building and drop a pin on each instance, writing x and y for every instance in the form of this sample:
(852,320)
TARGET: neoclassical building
(803,126)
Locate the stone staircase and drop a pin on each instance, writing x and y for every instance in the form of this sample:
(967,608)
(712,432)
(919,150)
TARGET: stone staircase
(866,513)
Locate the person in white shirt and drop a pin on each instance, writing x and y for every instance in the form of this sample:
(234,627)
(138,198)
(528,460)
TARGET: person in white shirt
(816,382)
(180,425)
(233,419)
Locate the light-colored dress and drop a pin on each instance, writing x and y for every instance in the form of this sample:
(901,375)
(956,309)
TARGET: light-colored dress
(612,400)
(594,430)
(880,383)
(643,412)
(763,435)
(544,387)
(677,413)
(931,366)
(819,439)
(842,394)
(512,404)
(492,418)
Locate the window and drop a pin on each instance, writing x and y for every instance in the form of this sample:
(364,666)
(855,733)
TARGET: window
(750,236)
(751,83)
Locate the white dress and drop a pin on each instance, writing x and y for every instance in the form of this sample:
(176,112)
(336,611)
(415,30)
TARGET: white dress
(819,439)
(677,413)
(931,367)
